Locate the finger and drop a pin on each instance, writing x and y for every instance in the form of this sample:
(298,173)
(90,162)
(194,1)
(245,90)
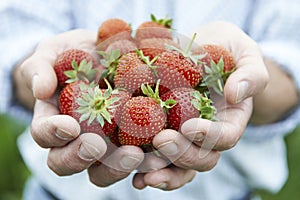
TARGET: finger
(117,166)
(223,134)
(49,129)
(77,155)
(38,69)
(165,179)
(183,153)
(152,162)
(39,75)
(250,77)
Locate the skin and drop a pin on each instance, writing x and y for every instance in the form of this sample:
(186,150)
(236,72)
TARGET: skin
(247,95)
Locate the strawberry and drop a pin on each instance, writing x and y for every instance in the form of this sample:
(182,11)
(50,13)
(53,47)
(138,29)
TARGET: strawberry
(141,120)
(97,110)
(152,53)
(178,68)
(159,43)
(74,64)
(125,46)
(189,104)
(215,53)
(156,28)
(218,65)
(175,71)
(111,30)
(133,70)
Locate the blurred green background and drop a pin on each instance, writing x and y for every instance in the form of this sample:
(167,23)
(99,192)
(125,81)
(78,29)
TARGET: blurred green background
(13,172)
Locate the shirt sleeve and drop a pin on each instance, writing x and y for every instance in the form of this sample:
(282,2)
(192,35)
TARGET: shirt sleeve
(23,25)
(274,27)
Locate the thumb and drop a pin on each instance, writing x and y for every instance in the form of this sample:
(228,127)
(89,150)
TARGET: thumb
(39,75)
(247,81)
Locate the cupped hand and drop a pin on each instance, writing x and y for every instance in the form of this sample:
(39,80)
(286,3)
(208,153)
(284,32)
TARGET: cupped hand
(70,150)
(200,142)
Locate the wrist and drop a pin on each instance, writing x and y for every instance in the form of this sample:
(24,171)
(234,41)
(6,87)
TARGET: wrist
(278,99)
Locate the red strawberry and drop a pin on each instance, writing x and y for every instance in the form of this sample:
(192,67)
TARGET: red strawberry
(178,68)
(133,70)
(159,43)
(125,46)
(151,53)
(97,110)
(174,70)
(74,64)
(111,30)
(189,104)
(219,64)
(215,53)
(141,120)
(156,28)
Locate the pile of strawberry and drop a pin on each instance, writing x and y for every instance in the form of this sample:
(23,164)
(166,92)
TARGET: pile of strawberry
(140,83)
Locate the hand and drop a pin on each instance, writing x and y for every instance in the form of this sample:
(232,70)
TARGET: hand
(70,152)
(201,141)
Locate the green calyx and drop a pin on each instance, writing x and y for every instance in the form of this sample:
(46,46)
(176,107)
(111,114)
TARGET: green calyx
(154,94)
(94,104)
(187,53)
(110,61)
(147,61)
(204,105)
(84,71)
(164,21)
(215,77)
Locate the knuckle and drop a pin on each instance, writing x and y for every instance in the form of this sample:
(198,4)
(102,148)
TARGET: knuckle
(188,160)
(209,163)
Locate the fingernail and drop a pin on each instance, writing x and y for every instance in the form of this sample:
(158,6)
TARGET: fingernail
(129,162)
(63,134)
(88,152)
(168,148)
(241,91)
(162,185)
(195,136)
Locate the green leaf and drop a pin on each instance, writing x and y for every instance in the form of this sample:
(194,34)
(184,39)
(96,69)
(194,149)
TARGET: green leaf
(106,115)
(91,118)
(84,117)
(100,120)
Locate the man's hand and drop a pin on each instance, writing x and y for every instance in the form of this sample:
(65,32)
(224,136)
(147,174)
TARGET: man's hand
(70,152)
(198,146)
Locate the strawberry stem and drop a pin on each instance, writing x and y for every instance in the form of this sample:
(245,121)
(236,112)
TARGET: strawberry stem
(187,53)
(84,71)
(148,91)
(164,21)
(94,103)
(204,105)
(110,61)
(147,61)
